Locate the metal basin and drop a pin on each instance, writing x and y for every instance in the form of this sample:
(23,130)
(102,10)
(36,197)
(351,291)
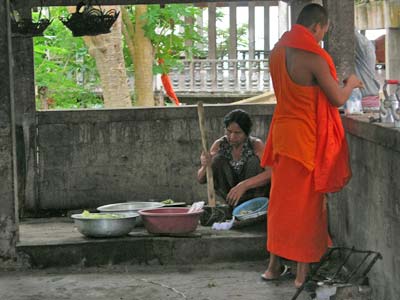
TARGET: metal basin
(106,227)
(133,207)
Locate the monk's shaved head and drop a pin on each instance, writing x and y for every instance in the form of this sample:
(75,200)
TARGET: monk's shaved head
(313,14)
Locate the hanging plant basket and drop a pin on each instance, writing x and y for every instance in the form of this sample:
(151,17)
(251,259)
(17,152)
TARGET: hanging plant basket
(25,27)
(28,28)
(88,20)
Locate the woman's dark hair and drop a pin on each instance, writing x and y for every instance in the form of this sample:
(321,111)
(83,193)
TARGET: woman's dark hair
(313,14)
(240,117)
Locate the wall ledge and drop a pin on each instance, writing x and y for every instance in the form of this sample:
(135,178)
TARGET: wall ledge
(380,133)
(146,113)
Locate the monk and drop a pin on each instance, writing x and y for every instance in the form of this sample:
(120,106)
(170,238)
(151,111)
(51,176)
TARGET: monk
(306,145)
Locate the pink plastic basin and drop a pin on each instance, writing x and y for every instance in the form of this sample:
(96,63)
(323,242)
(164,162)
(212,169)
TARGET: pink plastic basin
(170,220)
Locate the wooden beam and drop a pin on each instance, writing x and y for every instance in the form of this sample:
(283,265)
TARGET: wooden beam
(37,3)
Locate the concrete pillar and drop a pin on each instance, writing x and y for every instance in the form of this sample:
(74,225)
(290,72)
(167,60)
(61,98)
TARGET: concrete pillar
(283,17)
(340,39)
(252,32)
(25,110)
(212,41)
(200,26)
(266,28)
(212,31)
(392,53)
(232,31)
(190,22)
(8,182)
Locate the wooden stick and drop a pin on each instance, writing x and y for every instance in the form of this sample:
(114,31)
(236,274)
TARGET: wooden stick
(210,178)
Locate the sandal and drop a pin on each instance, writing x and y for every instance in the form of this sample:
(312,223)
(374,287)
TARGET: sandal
(285,274)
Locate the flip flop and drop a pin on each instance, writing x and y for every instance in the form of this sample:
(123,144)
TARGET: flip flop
(285,273)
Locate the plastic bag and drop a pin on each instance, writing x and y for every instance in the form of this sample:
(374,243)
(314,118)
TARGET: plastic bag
(223,225)
(354,103)
(196,206)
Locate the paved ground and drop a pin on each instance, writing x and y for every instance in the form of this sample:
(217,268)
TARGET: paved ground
(200,282)
(195,281)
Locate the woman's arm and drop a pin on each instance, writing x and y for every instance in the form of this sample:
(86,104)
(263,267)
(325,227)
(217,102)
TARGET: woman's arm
(261,179)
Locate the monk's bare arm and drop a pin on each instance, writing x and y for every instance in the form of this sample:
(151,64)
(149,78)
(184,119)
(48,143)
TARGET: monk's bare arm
(337,95)
(264,177)
(206,159)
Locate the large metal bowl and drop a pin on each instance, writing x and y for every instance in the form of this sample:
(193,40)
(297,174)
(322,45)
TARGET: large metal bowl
(106,227)
(133,207)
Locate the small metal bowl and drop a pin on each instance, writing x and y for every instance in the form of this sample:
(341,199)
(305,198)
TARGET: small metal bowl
(107,227)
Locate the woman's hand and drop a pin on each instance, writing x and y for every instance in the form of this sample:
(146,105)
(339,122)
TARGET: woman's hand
(205,159)
(236,193)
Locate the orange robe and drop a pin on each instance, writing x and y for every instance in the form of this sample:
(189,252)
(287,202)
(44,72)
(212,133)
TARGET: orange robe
(308,153)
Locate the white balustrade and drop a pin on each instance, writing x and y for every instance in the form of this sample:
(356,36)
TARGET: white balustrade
(216,75)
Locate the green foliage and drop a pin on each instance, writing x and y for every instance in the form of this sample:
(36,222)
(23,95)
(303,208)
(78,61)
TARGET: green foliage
(168,32)
(59,59)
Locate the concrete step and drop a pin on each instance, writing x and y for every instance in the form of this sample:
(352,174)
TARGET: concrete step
(56,243)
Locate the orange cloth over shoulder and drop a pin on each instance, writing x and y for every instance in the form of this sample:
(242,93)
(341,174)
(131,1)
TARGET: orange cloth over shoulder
(317,138)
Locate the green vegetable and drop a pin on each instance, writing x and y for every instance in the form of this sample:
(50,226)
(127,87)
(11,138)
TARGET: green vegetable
(89,215)
(168,201)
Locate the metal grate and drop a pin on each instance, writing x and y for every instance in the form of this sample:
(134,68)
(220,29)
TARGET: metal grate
(324,273)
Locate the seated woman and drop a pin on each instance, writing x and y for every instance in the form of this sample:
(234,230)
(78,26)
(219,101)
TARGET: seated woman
(235,161)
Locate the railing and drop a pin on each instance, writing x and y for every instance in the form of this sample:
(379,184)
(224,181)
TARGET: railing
(229,75)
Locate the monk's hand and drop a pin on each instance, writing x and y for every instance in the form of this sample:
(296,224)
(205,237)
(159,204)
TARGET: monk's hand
(236,193)
(353,82)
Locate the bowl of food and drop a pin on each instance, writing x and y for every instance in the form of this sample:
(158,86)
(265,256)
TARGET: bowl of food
(170,220)
(132,207)
(102,225)
(251,209)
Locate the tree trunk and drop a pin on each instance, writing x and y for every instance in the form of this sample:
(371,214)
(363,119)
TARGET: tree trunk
(106,49)
(143,61)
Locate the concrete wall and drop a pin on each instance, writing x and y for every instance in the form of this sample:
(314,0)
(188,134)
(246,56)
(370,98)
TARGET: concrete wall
(366,214)
(25,115)
(8,219)
(90,158)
